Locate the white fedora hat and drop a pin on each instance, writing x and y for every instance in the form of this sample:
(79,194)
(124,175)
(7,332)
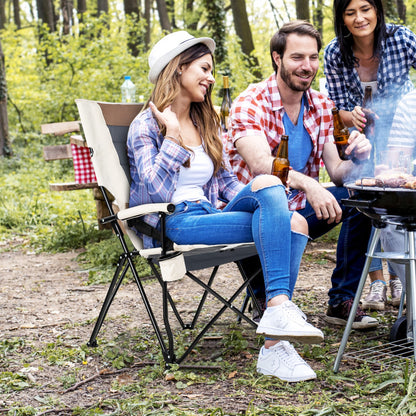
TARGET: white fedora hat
(169,47)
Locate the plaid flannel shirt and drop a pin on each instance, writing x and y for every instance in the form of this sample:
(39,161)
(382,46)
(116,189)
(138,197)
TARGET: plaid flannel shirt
(258,111)
(154,169)
(398,55)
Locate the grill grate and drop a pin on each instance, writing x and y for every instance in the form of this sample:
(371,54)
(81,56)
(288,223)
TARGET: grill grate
(385,356)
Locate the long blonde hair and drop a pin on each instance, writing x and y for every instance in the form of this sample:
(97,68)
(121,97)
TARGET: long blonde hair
(166,90)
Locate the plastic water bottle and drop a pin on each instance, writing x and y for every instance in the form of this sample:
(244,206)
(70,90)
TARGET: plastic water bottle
(128,90)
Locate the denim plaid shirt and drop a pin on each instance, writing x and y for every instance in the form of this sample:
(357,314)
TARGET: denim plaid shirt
(259,111)
(154,169)
(398,55)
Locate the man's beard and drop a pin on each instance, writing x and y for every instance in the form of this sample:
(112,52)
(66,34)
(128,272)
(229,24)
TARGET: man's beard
(287,79)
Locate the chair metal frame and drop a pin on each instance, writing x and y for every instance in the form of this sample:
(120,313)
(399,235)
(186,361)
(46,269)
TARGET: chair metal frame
(105,128)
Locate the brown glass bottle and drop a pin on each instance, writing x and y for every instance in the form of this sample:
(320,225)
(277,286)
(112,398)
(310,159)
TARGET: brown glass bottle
(226,104)
(281,161)
(341,135)
(368,111)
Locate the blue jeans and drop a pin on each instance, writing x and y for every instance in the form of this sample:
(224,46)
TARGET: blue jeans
(261,216)
(351,248)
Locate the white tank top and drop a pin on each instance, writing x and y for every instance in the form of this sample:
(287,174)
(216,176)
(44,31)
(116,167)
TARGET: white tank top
(192,179)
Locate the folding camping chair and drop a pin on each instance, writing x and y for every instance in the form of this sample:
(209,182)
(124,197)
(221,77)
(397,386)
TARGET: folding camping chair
(105,127)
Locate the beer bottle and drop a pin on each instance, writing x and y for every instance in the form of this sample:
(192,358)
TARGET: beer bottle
(341,135)
(226,104)
(367,109)
(281,161)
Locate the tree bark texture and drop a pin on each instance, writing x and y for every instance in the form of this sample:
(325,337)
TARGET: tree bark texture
(16,13)
(102,7)
(401,10)
(2,13)
(5,149)
(318,16)
(163,15)
(302,10)
(131,8)
(147,8)
(242,28)
(67,7)
(46,13)
(191,19)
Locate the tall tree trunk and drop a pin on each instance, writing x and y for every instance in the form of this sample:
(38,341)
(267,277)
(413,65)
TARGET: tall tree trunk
(318,16)
(67,7)
(46,13)
(242,28)
(163,15)
(5,148)
(302,9)
(147,8)
(191,20)
(2,13)
(170,7)
(16,13)
(81,9)
(102,7)
(401,10)
(215,22)
(131,8)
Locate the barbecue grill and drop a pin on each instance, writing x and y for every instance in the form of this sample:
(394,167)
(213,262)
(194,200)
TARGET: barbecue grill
(394,206)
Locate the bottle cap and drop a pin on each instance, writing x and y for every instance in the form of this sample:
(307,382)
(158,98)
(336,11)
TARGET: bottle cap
(127,77)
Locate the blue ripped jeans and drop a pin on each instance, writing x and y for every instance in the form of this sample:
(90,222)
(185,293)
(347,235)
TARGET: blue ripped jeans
(351,248)
(261,216)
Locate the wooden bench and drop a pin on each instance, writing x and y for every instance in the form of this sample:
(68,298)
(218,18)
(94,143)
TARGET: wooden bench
(63,151)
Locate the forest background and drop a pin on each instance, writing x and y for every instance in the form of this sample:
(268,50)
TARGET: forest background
(52,52)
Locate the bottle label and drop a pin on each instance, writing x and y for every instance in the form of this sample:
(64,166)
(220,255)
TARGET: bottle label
(341,140)
(282,173)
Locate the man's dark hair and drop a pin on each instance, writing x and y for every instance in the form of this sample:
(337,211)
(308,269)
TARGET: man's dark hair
(299,27)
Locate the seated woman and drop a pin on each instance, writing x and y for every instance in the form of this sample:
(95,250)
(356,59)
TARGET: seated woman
(175,154)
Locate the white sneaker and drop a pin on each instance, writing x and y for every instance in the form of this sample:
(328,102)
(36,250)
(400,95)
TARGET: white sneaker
(284,362)
(288,322)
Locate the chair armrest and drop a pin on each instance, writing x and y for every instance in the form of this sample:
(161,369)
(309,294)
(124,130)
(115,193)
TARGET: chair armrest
(140,210)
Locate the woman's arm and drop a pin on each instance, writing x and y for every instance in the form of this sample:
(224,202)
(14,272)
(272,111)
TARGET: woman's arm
(157,161)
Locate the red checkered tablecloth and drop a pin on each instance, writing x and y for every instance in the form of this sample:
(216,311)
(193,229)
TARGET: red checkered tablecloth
(84,171)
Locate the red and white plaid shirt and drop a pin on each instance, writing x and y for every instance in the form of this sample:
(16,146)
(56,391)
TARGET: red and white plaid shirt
(258,111)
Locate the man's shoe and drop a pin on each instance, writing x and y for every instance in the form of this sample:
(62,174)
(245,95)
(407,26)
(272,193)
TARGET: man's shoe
(338,315)
(377,296)
(284,362)
(288,322)
(396,289)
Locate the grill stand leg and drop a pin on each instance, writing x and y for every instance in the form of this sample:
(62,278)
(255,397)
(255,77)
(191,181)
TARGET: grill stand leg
(411,292)
(357,297)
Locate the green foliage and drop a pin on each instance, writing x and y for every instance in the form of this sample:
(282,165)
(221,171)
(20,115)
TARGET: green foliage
(12,382)
(53,221)
(90,64)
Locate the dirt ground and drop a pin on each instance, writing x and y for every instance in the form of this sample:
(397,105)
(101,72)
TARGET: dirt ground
(44,298)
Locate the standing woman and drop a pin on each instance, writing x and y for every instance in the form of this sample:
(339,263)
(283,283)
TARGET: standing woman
(367,51)
(175,155)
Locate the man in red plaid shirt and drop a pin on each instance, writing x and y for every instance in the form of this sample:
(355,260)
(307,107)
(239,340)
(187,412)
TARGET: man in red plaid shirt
(285,104)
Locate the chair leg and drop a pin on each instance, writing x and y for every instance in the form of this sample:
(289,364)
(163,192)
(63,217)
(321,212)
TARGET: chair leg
(244,306)
(357,297)
(114,286)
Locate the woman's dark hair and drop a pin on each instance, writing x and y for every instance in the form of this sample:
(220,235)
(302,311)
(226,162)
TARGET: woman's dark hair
(346,41)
